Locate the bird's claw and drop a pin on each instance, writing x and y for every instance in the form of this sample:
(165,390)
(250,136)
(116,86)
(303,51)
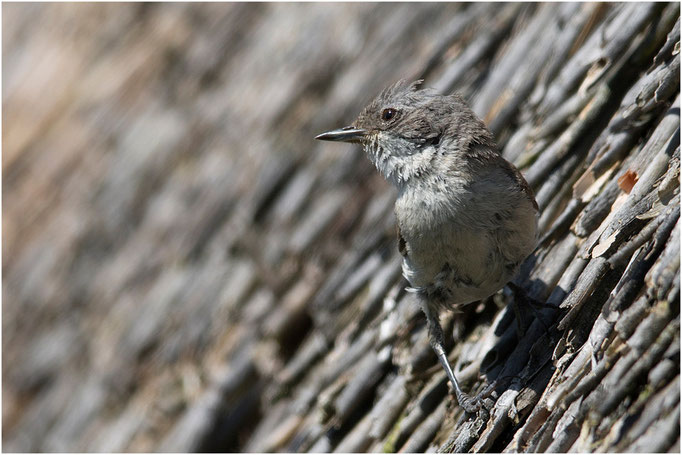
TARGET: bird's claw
(470,404)
(480,404)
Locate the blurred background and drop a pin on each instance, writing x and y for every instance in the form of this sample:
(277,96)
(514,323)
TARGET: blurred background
(186,269)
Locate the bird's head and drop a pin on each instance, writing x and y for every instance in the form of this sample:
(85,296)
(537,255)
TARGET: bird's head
(405,130)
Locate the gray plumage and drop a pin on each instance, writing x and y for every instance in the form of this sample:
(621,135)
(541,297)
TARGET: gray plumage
(466,217)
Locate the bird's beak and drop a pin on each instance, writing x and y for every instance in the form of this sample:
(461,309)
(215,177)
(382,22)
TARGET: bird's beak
(347,134)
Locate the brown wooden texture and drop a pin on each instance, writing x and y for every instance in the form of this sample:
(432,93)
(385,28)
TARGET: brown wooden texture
(186,269)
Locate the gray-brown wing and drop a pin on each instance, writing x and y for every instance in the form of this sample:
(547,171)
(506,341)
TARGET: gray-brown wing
(515,174)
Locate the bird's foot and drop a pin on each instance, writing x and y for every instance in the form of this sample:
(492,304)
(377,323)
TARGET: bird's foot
(470,404)
(480,404)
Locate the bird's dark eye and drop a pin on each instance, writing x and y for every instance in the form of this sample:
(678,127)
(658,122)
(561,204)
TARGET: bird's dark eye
(388,114)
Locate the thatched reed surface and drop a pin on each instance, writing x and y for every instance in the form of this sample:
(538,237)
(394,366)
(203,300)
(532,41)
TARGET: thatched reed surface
(185,269)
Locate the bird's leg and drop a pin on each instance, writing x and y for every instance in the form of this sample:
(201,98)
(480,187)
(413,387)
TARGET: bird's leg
(533,304)
(469,404)
(520,330)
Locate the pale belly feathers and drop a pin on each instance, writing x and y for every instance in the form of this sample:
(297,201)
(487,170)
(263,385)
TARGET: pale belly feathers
(464,250)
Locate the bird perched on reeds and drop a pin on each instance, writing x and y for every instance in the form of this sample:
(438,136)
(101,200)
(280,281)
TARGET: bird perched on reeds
(466,217)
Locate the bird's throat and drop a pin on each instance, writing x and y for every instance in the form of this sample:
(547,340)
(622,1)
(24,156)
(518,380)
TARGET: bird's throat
(398,160)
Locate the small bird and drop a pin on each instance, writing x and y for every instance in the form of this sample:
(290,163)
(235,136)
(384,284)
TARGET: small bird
(466,217)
